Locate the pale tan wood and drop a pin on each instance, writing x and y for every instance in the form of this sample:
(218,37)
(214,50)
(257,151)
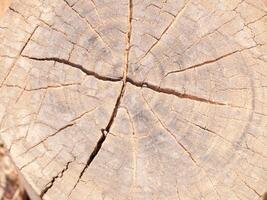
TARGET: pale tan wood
(136,100)
(4,4)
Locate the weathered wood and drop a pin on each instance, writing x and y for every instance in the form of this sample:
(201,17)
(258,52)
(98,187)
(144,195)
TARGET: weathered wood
(136,99)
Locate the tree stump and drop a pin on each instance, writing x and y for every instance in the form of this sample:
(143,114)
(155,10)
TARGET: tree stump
(136,100)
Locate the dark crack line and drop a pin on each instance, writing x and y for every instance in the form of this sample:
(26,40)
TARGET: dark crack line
(125,79)
(18,13)
(203,63)
(106,130)
(247,185)
(255,191)
(172,92)
(125,73)
(44,87)
(210,61)
(72,123)
(77,66)
(116,108)
(91,157)
(59,175)
(49,136)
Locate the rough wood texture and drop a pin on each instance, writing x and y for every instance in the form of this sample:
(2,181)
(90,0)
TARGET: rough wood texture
(136,99)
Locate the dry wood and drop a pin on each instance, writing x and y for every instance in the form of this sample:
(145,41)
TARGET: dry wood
(136,99)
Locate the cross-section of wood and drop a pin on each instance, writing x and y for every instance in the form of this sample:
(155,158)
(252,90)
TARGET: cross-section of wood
(136,100)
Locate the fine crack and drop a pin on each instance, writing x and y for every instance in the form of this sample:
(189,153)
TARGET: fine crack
(211,61)
(49,136)
(175,18)
(88,23)
(170,132)
(247,185)
(179,143)
(31,161)
(44,87)
(19,54)
(59,175)
(251,188)
(72,123)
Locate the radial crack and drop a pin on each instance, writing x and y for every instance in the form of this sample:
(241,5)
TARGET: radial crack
(44,87)
(91,157)
(209,61)
(125,73)
(173,92)
(59,175)
(211,132)
(49,136)
(77,66)
(106,130)
(18,13)
(170,133)
(69,125)
(248,186)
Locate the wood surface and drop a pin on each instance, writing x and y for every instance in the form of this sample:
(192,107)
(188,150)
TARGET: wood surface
(4,4)
(136,99)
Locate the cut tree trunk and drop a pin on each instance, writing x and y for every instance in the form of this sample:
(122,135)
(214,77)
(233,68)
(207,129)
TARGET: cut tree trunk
(136,100)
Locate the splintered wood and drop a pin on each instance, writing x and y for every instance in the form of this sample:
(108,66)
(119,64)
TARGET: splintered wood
(136,100)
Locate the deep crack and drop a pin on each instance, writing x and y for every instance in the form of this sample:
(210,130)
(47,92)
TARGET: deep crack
(92,156)
(106,131)
(125,79)
(172,92)
(77,66)
(59,175)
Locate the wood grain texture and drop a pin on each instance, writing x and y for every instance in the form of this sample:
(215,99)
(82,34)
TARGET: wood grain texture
(136,100)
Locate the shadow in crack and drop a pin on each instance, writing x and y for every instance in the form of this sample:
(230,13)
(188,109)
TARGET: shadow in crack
(264,196)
